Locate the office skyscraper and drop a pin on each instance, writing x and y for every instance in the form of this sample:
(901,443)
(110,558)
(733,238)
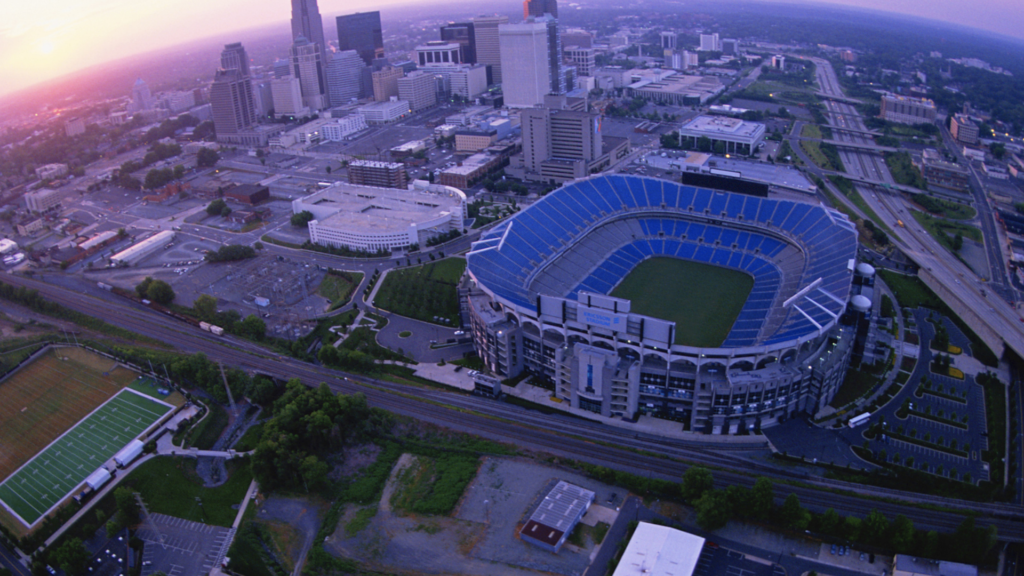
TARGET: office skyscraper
(463,34)
(306,22)
(488,46)
(531,61)
(540,8)
(233,57)
(142,99)
(309,69)
(344,76)
(231,103)
(362,33)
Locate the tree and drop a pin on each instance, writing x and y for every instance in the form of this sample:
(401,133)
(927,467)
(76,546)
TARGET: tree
(876,525)
(179,172)
(958,242)
(127,506)
(258,245)
(704,144)
(302,218)
(205,306)
(719,147)
(207,158)
(762,498)
(901,534)
(142,288)
(71,556)
(225,211)
(313,472)
(829,522)
(852,528)
(713,510)
(216,207)
(160,292)
(696,481)
(253,327)
(792,514)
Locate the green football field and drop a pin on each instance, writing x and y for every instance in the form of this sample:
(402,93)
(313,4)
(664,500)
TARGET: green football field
(703,300)
(51,475)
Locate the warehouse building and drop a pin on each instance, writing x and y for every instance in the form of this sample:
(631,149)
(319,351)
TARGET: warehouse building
(556,515)
(736,136)
(136,252)
(660,551)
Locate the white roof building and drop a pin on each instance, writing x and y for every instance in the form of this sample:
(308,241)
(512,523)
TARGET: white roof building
(136,252)
(660,551)
(98,478)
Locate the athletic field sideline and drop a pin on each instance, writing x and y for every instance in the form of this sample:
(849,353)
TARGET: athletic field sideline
(46,480)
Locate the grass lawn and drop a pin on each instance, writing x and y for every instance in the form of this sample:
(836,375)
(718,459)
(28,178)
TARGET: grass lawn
(703,300)
(250,439)
(944,230)
(811,131)
(813,150)
(945,208)
(169,486)
(424,292)
(338,287)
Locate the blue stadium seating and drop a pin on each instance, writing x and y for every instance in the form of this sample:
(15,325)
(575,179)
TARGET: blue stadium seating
(547,229)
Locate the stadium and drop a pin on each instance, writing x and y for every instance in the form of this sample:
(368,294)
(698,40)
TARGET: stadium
(632,296)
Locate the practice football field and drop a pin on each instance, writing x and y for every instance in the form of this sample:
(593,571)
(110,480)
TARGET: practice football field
(703,300)
(48,479)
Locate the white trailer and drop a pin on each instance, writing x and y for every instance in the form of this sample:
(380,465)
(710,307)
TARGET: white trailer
(129,453)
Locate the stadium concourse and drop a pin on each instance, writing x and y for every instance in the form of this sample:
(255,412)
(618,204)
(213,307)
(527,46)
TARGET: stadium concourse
(540,302)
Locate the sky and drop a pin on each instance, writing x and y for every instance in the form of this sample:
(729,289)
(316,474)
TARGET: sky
(43,39)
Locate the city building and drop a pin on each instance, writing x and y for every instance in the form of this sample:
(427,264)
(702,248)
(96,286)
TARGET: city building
(378,174)
(559,145)
(308,67)
(904,565)
(263,96)
(669,41)
(307,24)
(730,46)
(374,219)
(419,89)
(287,97)
(344,77)
(178,100)
(730,135)
(282,68)
(385,83)
(74,126)
(538,301)
(467,80)
(556,515)
(848,56)
(656,550)
(710,43)
(363,33)
(339,129)
(439,52)
(963,129)
(488,44)
(142,99)
(578,38)
(583,59)
(232,104)
(540,8)
(676,89)
(234,57)
(778,62)
(7,247)
(250,194)
(467,172)
(531,61)
(938,172)
(136,252)
(907,110)
(51,171)
(474,140)
(44,200)
(384,112)
(464,35)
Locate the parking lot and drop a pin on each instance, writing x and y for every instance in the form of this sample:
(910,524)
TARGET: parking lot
(180,547)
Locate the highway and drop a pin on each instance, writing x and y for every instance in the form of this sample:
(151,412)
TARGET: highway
(559,435)
(978,309)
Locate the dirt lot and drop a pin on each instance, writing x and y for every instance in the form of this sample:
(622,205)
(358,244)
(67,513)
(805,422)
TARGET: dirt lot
(480,537)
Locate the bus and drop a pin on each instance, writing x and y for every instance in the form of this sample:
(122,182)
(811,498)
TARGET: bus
(858,420)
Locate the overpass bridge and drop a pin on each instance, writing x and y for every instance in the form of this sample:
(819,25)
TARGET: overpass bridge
(842,99)
(854,130)
(862,147)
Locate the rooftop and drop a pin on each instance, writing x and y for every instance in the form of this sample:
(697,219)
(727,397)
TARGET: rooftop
(365,208)
(555,515)
(915,565)
(660,551)
(722,125)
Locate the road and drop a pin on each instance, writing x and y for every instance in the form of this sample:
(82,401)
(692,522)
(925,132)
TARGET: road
(563,436)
